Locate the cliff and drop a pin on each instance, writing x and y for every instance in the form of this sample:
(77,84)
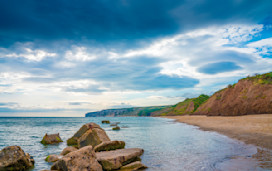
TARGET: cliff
(188,106)
(251,95)
(134,111)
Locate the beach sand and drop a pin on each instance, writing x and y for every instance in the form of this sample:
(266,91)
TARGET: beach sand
(251,129)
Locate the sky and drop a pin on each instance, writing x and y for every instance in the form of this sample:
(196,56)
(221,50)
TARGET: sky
(66,58)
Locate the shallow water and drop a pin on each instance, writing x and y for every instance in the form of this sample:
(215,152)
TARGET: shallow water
(168,145)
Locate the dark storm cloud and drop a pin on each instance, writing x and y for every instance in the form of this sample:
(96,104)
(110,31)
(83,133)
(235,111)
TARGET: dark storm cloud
(107,20)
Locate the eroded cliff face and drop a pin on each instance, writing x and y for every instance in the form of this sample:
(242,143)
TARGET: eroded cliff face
(248,96)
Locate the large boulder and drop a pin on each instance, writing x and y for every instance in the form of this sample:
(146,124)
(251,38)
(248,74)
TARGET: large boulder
(51,139)
(111,160)
(83,159)
(109,145)
(68,150)
(14,158)
(73,140)
(137,165)
(89,134)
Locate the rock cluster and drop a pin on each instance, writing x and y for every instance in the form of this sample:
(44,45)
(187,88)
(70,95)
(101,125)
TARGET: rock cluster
(83,159)
(92,149)
(14,158)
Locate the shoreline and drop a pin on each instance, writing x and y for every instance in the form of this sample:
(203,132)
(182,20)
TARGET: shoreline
(251,129)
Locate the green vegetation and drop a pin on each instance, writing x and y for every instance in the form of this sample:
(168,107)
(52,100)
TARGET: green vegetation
(148,110)
(231,85)
(58,139)
(260,78)
(46,159)
(187,106)
(199,100)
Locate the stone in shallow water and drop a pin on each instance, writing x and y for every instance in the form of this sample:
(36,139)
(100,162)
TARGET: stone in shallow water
(68,150)
(110,145)
(88,134)
(105,122)
(53,158)
(116,128)
(111,160)
(137,165)
(51,139)
(83,159)
(14,158)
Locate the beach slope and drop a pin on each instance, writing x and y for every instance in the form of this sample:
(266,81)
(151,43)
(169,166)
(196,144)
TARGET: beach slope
(251,129)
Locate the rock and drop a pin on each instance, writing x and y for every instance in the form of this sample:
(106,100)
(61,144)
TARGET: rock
(53,158)
(88,134)
(93,137)
(14,158)
(68,150)
(80,132)
(105,122)
(51,139)
(111,160)
(137,165)
(83,159)
(116,128)
(110,145)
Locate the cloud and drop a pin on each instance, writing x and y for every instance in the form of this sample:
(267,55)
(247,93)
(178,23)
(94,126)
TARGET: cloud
(79,54)
(214,68)
(78,103)
(31,55)
(241,33)
(8,104)
(121,105)
(263,46)
(200,61)
(121,20)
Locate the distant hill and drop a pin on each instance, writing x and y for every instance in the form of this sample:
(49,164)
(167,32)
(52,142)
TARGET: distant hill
(188,106)
(133,111)
(251,95)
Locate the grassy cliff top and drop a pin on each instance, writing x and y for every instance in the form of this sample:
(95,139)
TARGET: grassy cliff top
(260,78)
(256,78)
(183,107)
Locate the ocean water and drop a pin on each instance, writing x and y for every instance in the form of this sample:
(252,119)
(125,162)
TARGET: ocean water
(168,145)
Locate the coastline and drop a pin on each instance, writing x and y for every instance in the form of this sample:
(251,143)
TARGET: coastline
(251,129)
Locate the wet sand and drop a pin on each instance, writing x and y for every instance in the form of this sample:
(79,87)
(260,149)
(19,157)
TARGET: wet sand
(251,129)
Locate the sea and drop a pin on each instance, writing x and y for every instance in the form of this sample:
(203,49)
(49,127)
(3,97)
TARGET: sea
(168,145)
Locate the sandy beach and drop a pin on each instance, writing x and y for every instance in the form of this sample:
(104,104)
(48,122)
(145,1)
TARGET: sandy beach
(251,129)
